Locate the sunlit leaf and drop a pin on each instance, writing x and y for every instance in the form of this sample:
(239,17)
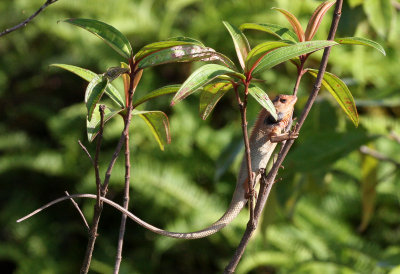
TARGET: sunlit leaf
(88,75)
(181,53)
(113,37)
(203,76)
(94,92)
(316,18)
(114,72)
(294,22)
(361,41)
(171,89)
(126,80)
(260,50)
(263,99)
(158,124)
(93,126)
(276,30)
(242,46)
(210,95)
(157,46)
(281,55)
(340,92)
(187,39)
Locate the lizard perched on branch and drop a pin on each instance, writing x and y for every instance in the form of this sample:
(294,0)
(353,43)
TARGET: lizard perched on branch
(264,137)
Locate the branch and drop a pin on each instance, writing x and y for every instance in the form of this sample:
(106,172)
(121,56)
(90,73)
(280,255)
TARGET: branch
(79,210)
(270,178)
(118,257)
(98,207)
(377,155)
(86,151)
(30,18)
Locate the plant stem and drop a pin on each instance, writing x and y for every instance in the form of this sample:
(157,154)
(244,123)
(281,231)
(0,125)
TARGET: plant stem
(30,18)
(270,178)
(98,207)
(243,115)
(118,258)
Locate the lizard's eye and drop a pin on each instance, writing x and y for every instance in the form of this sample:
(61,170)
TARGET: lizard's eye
(282,100)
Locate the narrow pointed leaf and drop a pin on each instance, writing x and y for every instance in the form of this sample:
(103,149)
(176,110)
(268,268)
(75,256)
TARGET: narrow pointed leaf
(113,37)
(158,124)
(93,94)
(171,89)
(114,72)
(242,46)
(210,95)
(281,55)
(93,126)
(157,46)
(182,53)
(340,92)
(88,75)
(203,76)
(361,41)
(261,50)
(126,80)
(294,22)
(187,39)
(263,99)
(316,18)
(275,30)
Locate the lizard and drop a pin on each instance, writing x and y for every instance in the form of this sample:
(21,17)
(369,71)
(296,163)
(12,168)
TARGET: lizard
(266,133)
(262,145)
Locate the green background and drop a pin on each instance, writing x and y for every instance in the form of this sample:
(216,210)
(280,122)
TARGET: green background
(335,211)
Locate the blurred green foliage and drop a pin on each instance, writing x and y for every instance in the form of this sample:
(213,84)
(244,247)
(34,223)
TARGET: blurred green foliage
(336,211)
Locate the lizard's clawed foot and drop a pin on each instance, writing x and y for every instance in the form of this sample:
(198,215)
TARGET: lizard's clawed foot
(285,136)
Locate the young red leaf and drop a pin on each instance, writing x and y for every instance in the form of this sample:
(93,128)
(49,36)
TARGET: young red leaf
(294,22)
(316,19)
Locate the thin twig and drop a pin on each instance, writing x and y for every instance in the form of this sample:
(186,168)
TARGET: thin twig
(79,210)
(98,207)
(86,151)
(265,189)
(30,18)
(118,257)
(379,156)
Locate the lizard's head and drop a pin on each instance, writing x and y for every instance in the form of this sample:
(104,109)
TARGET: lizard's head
(284,106)
(284,101)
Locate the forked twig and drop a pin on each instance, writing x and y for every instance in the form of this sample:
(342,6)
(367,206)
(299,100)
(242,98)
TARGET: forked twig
(30,18)
(79,211)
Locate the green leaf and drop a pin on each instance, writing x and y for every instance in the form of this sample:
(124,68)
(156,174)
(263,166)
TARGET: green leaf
(93,126)
(182,53)
(210,95)
(263,99)
(340,92)
(159,125)
(171,89)
(157,46)
(242,46)
(316,18)
(93,94)
(276,30)
(380,14)
(114,72)
(88,75)
(294,22)
(187,39)
(113,37)
(281,55)
(256,54)
(203,76)
(361,41)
